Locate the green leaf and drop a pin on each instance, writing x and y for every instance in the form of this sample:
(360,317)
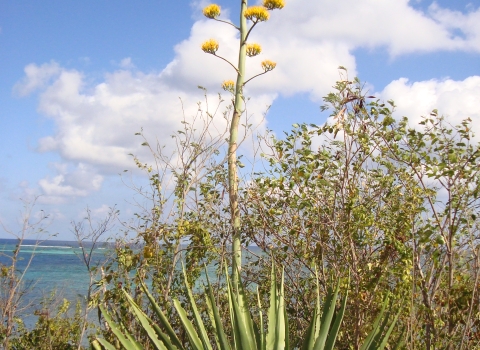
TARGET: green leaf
(280,318)
(263,343)
(243,324)
(145,322)
(309,339)
(106,345)
(370,338)
(195,341)
(327,316)
(272,321)
(163,319)
(125,340)
(196,314)
(332,335)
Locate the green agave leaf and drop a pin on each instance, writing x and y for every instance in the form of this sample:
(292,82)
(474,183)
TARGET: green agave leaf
(211,316)
(145,322)
(314,327)
(243,324)
(222,339)
(319,310)
(245,314)
(384,341)
(125,340)
(272,310)
(163,337)
(378,336)
(195,341)
(105,344)
(196,314)
(309,339)
(333,333)
(280,318)
(163,319)
(263,344)
(327,316)
(287,327)
(236,334)
(375,329)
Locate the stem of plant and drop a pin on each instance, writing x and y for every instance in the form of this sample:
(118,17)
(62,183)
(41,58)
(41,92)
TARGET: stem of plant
(232,151)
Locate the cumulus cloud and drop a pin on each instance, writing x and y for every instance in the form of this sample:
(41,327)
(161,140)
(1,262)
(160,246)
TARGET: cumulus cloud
(36,77)
(456,100)
(394,25)
(68,183)
(308,40)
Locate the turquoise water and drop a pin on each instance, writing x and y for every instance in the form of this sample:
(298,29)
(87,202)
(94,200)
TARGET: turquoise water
(55,266)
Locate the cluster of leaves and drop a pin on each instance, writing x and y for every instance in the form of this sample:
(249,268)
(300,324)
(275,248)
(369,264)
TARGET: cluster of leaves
(392,205)
(245,333)
(396,205)
(56,329)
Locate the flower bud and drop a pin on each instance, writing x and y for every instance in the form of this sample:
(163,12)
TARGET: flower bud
(211,11)
(273,4)
(256,13)
(253,49)
(268,65)
(228,85)
(210,46)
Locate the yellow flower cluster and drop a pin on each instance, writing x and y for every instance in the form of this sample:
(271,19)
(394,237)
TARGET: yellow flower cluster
(210,46)
(256,14)
(268,65)
(273,4)
(253,49)
(228,85)
(211,11)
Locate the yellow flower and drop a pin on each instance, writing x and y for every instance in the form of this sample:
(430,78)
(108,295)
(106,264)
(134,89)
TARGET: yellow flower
(211,11)
(273,4)
(268,65)
(210,46)
(253,50)
(228,85)
(256,14)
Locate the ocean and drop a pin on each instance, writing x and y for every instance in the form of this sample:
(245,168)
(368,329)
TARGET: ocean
(55,266)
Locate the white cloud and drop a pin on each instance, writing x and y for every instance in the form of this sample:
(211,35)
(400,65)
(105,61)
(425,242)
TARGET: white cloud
(456,100)
(307,39)
(392,24)
(125,63)
(460,25)
(68,183)
(101,212)
(36,77)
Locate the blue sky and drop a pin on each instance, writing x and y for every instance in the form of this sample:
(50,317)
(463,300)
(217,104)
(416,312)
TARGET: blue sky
(79,78)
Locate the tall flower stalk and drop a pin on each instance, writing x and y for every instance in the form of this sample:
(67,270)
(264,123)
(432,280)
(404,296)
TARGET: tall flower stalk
(254,14)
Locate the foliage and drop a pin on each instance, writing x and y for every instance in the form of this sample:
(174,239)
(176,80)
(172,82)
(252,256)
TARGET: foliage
(13,285)
(246,334)
(395,205)
(365,195)
(58,331)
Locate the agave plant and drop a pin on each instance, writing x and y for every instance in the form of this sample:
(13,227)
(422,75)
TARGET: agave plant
(246,335)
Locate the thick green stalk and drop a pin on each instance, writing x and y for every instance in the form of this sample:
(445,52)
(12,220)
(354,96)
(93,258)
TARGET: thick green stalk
(232,150)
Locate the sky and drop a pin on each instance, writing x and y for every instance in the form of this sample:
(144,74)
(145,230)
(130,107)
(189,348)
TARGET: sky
(79,78)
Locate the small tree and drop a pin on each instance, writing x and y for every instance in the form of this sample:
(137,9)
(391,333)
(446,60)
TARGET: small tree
(13,286)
